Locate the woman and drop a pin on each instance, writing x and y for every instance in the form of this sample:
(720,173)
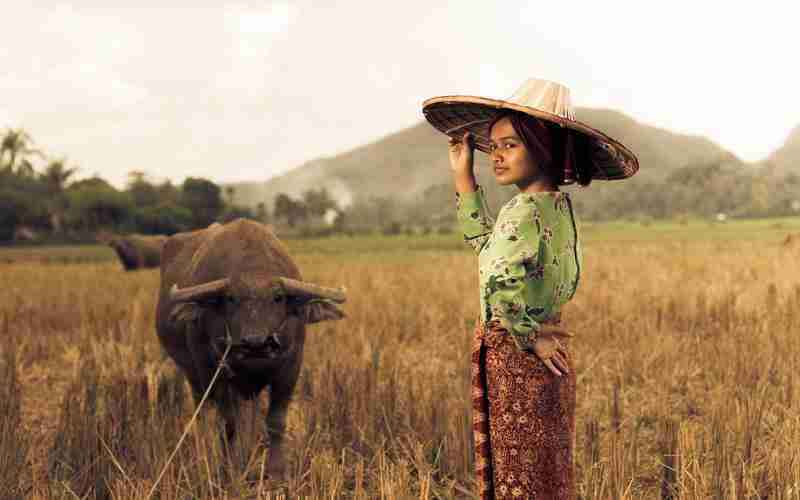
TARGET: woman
(529,267)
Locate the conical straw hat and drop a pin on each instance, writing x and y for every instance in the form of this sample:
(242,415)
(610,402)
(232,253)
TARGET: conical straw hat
(548,101)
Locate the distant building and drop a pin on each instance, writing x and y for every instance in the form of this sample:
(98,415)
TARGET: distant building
(330,216)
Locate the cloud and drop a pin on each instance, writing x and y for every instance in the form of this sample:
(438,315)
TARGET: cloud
(247,90)
(273,20)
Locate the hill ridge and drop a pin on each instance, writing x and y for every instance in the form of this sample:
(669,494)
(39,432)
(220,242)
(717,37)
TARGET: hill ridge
(405,163)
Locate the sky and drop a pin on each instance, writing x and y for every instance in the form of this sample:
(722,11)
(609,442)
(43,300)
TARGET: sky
(245,91)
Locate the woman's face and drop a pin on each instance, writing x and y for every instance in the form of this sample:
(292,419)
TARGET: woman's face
(511,160)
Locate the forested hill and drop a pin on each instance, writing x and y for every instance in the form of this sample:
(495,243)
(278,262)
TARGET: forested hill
(786,159)
(680,175)
(410,161)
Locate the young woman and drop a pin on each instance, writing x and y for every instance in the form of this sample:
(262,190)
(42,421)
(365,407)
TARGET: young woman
(529,267)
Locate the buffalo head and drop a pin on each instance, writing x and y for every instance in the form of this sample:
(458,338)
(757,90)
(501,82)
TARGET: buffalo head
(256,316)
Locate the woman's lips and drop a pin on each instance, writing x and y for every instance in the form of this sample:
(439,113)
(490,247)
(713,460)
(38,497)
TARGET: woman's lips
(500,171)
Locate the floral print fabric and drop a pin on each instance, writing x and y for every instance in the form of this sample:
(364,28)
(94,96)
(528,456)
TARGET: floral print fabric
(523,421)
(528,260)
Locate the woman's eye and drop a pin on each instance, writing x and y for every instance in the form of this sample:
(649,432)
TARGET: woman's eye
(508,145)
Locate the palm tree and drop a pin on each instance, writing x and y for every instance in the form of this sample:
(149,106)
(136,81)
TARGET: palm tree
(55,177)
(17,145)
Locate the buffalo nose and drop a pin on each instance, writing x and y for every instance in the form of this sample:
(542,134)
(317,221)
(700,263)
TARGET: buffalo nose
(254,340)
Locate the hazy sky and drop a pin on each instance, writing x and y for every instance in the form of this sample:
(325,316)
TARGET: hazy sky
(243,91)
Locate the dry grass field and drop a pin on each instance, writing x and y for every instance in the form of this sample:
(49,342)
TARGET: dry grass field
(686,357)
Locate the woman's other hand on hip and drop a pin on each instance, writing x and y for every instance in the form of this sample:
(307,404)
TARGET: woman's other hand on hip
(550,350)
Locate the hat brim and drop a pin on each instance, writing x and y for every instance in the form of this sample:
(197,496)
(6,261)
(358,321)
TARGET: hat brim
(455,115)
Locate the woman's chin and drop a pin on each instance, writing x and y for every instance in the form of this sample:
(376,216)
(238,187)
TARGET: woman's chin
(503,180)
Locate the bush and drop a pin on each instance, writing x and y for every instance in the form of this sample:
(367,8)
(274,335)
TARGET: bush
(96,205)
(238,212)
(163,219)
(392,229)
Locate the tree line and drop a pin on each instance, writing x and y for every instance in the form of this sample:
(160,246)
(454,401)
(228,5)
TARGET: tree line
(45,202)
(39,199)
(720,187)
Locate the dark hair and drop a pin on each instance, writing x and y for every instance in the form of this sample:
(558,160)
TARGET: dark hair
(534,132)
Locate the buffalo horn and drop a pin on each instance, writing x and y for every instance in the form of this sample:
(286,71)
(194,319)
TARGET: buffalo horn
(303,289)
(199,292)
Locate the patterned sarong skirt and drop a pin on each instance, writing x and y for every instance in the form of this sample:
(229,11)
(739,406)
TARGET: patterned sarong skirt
(523,421)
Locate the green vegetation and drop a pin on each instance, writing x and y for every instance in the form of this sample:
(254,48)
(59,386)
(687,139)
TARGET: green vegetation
(388,188)
(379,246)
(44,204)
(693,229)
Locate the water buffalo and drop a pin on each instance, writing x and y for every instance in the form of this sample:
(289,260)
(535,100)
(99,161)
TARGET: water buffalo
(136,251)
(235,286)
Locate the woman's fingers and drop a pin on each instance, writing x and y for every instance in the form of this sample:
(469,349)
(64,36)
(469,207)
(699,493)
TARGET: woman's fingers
(465,140)
(549,364)
(560,362)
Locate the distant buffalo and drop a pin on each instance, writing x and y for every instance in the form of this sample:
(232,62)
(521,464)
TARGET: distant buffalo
(235,287)
(136,251)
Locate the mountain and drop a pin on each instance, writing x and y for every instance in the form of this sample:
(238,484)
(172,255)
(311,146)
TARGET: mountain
(404,164)
(786,159)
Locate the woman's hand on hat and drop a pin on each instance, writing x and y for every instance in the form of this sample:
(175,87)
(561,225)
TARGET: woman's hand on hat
(461,154)
(548,348)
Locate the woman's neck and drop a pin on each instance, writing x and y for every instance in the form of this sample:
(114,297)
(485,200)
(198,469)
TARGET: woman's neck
(537,186)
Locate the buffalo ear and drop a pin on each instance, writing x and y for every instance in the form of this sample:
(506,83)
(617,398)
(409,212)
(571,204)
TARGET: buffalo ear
(321,310)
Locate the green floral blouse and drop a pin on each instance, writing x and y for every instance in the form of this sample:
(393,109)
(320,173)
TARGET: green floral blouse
(529,260)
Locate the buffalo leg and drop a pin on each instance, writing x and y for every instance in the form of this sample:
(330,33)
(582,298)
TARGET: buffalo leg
(279,400)
(198,345)
(200,378)
(228,405)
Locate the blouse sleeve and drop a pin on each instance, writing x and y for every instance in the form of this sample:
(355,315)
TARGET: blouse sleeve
(513,260)
(473,218)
